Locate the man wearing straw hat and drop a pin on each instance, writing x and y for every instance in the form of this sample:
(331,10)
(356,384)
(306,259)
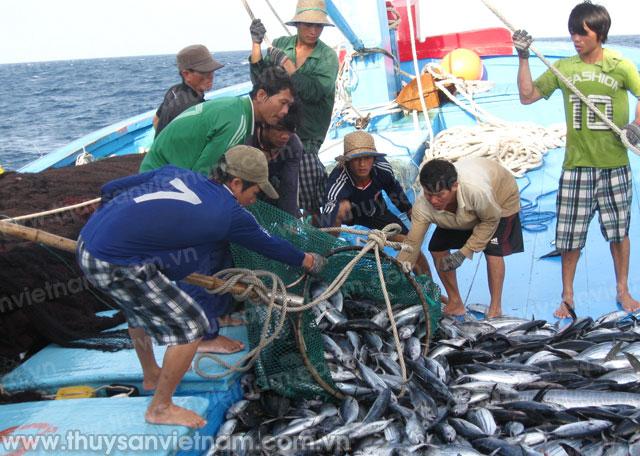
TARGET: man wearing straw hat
(313,67)
(354,191)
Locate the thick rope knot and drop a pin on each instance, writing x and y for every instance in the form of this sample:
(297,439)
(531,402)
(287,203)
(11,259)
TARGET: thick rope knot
(379,237)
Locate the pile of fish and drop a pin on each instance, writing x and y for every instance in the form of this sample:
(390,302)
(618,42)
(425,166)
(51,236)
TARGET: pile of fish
(506,386)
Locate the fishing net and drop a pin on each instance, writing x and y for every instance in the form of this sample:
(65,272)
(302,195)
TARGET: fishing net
(43,296)
(281,367)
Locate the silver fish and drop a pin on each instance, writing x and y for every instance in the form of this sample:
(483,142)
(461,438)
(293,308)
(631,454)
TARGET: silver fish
(413,348)
(581,429)
(349,410)
(505,377)
(483,418)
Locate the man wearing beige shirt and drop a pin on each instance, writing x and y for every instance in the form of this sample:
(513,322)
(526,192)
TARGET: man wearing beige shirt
(475,206)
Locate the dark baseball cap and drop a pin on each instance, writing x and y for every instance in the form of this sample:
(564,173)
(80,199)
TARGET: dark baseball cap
(197,58)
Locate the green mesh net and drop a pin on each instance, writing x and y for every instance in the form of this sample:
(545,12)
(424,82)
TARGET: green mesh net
(281,367)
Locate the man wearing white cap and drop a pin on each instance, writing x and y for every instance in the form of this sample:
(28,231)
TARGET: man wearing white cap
(136,245)
(196,67)
(313,67)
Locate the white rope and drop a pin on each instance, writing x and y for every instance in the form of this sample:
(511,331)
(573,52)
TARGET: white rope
(343,110)
(275,13)
(53,211)
(252,17)
(518,146)
(617,130)
(377,240)
(416,68)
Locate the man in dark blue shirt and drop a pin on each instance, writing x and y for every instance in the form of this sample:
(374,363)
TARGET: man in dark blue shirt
(283,149)
(158,227)
(354,191)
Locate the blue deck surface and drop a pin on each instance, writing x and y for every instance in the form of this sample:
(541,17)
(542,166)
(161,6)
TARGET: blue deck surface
(55,366)
(533,285)
(112,426)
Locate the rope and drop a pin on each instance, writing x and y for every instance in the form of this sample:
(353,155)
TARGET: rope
(275,13)
(252,17)
(531,219)
(617,130)
(414,54)
(54,211)
(518,146)
(377,239)
(395,22)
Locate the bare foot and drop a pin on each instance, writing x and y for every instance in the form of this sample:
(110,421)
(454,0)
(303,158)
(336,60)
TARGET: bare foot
(627,302)
(150,380)
(220,344)
(563,310)
(493,312)
(227,320)
(454,310)
(175,415)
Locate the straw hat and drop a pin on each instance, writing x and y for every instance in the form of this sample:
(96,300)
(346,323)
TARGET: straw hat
(358,144)
(310,12)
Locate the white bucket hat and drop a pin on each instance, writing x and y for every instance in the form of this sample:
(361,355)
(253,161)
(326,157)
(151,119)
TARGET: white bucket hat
(310,12)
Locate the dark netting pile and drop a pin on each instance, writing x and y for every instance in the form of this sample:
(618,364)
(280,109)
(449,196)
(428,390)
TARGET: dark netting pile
(43,295)
(281,367)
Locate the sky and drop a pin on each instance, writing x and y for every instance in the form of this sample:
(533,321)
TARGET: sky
(41,30)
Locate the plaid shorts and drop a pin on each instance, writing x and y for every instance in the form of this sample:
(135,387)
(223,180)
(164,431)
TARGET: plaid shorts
(148,299)
(313,180)
(582,192)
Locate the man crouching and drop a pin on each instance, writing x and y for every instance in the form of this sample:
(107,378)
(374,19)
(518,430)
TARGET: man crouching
(155,228)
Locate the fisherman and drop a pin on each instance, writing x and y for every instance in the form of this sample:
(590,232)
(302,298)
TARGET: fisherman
(133,249)
(196,68)
(596,175)
(475,206)
(198,137)
(354,191)
(313,67)
(283,149)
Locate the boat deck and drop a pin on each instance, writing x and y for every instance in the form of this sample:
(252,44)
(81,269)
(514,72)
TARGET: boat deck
(533,285)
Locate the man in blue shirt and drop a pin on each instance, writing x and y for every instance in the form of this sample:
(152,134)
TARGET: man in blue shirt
(354,191)
(158,227)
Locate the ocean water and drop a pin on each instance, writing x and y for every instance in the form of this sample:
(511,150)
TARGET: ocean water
(46,105)
(49,104)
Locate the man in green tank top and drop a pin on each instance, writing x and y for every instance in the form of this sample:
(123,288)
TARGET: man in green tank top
(595,174)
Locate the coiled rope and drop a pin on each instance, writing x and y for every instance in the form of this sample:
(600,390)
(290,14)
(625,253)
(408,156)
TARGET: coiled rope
(617,130)
(518,146)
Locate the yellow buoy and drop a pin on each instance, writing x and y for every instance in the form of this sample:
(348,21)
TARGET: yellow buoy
(463,63)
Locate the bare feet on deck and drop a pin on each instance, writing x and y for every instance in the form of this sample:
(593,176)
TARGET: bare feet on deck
(220,344)
(627,302)
(563,309)
(150,380)
(175,415)
(493,312)
(227,320)
(454,309)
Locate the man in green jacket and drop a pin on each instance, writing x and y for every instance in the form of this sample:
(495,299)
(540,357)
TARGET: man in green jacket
(198,137)
(313,67)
